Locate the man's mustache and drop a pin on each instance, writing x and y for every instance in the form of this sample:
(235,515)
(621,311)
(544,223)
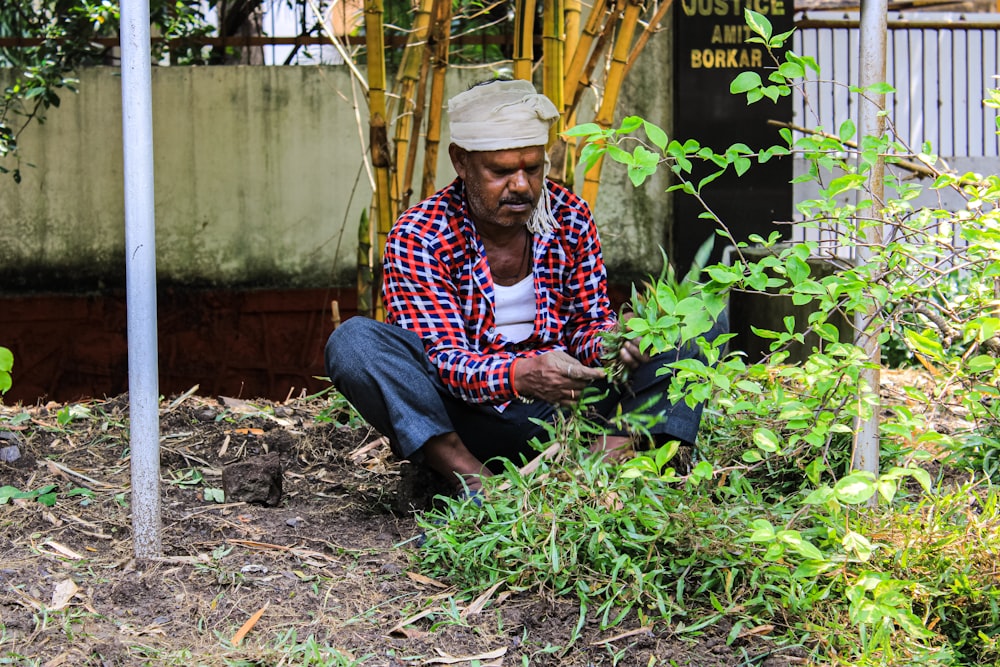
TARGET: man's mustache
(516,201)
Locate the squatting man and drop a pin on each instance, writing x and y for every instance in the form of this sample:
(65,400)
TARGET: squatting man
(496,297)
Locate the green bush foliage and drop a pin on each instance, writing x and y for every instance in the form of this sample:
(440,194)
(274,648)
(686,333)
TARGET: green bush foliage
(773,524)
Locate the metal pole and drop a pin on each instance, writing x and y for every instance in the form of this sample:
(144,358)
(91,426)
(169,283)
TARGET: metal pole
(874,18)
(140,278)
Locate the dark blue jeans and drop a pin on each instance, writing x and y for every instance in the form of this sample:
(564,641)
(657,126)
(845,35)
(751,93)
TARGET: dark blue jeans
(384,372)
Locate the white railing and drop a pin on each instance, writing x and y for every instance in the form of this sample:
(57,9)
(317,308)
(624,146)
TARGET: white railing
(941,65)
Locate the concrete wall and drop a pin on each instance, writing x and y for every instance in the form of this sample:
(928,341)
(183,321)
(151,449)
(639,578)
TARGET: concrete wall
(259,180)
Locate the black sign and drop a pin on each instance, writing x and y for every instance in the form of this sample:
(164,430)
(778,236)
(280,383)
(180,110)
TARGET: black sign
(711,51)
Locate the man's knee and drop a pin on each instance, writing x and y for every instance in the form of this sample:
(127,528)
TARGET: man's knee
(345,346)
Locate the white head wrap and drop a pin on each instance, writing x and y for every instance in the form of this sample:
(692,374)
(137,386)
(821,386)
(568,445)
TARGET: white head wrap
(502,115)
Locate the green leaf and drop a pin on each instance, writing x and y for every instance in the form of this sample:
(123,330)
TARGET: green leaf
(797,269)
(758,23)
(619,155)
(858,544)
(746,81)
(656,135)
(708,179)
(981,363)
(925,344)
(845,183)
(856,488)
(847,130)
(819,496)
(630,124)
(643,165)
(763,531)
(766,439)
(6,359)
(583,130)
(791,70)
(590,154)
(886,489)
(881,89)
(805,548)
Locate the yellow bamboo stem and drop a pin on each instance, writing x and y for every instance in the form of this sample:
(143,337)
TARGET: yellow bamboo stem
(572,31)
(524,38)
(553,51)
(553,54)
(366,294)
(442,36)
(408,78)
(418,115)
(581,52)
(378,131)
(612,87)
(563,148)
(596,56)
(651,28)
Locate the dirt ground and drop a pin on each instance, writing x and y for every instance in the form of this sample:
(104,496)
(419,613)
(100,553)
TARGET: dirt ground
(240,583)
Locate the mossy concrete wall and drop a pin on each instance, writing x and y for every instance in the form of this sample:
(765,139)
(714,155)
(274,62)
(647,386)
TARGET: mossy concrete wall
(259,180)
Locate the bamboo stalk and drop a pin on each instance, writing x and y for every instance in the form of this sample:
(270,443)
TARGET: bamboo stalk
(553,51)
(562,148)
(366,306)
(553,57)
(405,112)
(572,31)
(612,87)
(442,34)
(378,132)
(418,121)
(524,38)
(651,28)
(581,51)
(596,56)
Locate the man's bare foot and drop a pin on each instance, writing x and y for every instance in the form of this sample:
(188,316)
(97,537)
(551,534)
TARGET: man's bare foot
(616,448)
(448,455)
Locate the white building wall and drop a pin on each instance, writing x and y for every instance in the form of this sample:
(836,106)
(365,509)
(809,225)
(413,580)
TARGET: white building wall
(259,179)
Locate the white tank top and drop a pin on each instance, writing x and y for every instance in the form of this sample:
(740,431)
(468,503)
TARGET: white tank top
(515,309)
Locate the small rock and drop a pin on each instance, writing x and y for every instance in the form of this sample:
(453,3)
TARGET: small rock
(205,415)
(256,481)
(390,568)
(10,453)
(295,522)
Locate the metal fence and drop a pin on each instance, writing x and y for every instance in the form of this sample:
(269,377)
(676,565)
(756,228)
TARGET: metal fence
(941,65)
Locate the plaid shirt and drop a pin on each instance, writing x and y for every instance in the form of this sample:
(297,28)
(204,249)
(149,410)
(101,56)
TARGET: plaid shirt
(437,283)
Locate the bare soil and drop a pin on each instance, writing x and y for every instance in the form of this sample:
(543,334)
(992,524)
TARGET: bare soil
(333,559)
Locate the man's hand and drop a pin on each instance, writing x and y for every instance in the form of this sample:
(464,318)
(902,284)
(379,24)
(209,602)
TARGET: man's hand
(630,354)
(555,377)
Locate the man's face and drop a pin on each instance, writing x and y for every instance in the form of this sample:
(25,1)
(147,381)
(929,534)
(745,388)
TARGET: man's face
(502,187)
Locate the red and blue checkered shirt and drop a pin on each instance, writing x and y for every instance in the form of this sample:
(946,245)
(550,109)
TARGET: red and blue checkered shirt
(437,283)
